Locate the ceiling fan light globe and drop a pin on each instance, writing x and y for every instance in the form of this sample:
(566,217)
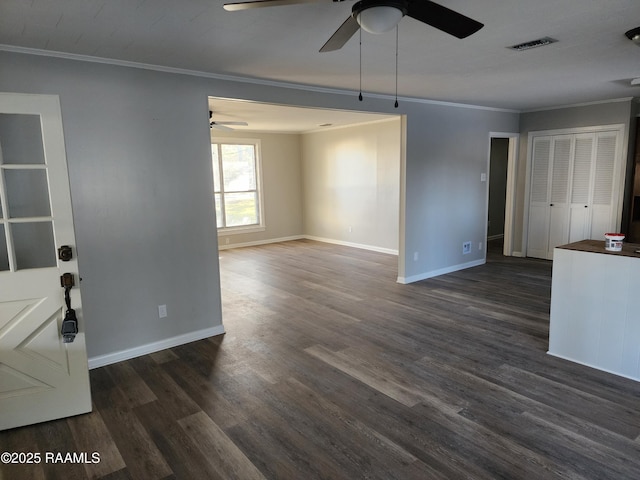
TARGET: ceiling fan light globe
(379,19)
(634,35)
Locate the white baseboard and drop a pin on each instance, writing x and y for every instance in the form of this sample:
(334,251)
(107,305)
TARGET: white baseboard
(441,271)
(373,248)
(517,254)
(109,358)
(258,242)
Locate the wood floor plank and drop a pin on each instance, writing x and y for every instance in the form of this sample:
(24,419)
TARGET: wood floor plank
(140,454)
(381,382)
(216,446)
(178,449)
(91,436)
(330,369)
(20,440)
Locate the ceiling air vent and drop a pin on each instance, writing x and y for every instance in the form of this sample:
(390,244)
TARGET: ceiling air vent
(533,44)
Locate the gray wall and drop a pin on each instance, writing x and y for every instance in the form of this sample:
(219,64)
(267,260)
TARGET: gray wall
(140,170)
(352,184)
(618,112)
(446,203)
(138,150)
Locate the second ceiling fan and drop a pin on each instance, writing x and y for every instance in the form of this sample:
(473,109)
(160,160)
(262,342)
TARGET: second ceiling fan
(377,16)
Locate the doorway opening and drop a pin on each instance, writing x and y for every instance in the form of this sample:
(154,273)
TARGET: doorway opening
(502,164)
(328,175)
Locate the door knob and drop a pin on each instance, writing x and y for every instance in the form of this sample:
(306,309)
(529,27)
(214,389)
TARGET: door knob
(65,253)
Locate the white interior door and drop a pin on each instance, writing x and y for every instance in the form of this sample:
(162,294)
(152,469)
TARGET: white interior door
(539,210)
(559,204)
(41,377)
(605,183)
(580,217)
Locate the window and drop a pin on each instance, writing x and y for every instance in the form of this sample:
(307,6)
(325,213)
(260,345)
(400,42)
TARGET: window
(236,181)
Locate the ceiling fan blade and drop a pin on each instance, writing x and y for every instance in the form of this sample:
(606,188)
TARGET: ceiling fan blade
(342,35)
(232,7)
(244,124)
(443,18)
(217,126)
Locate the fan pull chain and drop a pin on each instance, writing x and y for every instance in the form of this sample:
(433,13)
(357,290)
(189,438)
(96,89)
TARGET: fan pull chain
(396,104)
(360,94)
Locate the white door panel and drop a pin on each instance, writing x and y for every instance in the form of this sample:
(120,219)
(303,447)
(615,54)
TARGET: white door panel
(538,231)
(558,228)
(41,377)
(578,223)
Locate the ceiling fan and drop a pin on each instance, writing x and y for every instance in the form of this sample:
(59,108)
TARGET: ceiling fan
(224,125)
(378,16)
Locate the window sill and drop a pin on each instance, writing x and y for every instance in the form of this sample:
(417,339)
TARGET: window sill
(240,230)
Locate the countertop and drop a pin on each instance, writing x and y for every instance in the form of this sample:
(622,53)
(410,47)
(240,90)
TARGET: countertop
(597,246)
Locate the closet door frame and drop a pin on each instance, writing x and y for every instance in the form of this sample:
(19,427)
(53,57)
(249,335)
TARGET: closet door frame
(618,174)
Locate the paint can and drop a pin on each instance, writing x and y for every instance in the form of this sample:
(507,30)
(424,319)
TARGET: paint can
(613,242)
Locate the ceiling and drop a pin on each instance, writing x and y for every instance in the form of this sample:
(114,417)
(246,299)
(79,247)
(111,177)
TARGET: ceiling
(592,60)
(264,117)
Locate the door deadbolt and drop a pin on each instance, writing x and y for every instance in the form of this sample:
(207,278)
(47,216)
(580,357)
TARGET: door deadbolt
(65,253)
(67,280)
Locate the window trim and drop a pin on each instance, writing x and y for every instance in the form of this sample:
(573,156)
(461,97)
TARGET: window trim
(260,226)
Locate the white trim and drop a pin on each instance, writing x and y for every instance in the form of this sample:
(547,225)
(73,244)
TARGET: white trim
(115,357)
(256,143)
(259,242)
(236,79)
(297,86)
(510,195)
(517,254)
(372,248)
(256,243)
(577,105)
(441,271)
(231,231)
(577,130)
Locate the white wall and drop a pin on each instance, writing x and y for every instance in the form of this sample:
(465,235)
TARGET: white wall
(352,184)
(138,147)
(281,187)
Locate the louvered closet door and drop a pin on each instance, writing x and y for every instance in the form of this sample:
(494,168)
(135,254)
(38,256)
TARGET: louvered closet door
(559,199)
(574,183)
(605,173)
(580,211)
(538,236)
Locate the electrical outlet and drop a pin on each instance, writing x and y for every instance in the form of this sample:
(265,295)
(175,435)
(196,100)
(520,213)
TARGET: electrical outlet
(466,248)
(480,246)
(350,229)
(415,256)
(162,311)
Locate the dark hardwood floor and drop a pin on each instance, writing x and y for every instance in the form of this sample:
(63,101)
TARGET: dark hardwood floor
(330,369)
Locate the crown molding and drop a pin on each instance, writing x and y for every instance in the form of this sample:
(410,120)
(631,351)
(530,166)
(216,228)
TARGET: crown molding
(237,79)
